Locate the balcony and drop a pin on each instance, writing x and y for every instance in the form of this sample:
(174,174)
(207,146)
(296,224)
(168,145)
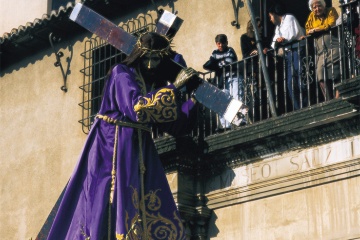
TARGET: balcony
(314,114)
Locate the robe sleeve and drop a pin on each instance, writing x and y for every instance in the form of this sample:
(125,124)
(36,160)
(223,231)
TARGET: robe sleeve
(123,95)
(123,99)
(185,122)
(166,110)
(157,106)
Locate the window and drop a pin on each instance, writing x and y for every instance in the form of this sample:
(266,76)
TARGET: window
(99,57)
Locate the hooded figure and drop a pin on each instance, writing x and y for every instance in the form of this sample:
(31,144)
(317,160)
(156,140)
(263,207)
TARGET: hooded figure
(118,189)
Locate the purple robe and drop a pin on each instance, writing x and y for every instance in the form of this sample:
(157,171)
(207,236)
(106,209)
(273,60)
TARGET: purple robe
(84,212)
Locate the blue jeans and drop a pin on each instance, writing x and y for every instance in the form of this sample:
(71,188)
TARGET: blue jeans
(235,87)
(294,82)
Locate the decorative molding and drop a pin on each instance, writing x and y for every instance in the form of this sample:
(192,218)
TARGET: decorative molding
(350,90)
(312,127)
(286,172)
(237,195)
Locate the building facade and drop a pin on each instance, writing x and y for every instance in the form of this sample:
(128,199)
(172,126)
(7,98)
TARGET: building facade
(293,175)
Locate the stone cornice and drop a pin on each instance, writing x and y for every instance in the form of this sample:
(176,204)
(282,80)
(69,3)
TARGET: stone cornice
(311,178)
(314,126)
(298,121)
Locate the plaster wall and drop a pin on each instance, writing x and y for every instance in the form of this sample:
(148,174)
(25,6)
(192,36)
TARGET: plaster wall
(16,13)
(203,20)
(310,193)
(40,139)
(329,211)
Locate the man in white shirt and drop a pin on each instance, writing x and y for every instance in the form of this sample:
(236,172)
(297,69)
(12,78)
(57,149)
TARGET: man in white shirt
(289,30)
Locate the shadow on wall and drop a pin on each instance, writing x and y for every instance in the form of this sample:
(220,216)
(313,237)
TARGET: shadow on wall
(220,181)
(213,231)
(165,3)
(42,235)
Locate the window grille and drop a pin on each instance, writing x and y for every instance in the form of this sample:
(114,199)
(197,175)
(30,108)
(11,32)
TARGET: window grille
(99,57)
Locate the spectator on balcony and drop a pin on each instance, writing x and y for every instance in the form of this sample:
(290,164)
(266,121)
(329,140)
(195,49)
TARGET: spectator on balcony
(227,75)
(287,34)
(248,45)
(248,41)
(250,54)
(318,24)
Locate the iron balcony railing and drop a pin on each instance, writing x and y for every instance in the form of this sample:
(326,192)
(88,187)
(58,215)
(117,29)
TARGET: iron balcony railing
(316,64)
(338,62)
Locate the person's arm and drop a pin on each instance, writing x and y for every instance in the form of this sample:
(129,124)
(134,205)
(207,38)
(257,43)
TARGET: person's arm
(291,29)
(231,57)
(178,58)
(161,105)
(212,64)
(245,46)
(235,58)
(185,121)
(309,23)
(325,25)
(124,95)
(276,36)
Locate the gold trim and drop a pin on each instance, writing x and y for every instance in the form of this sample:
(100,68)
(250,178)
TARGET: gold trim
(113,176)
(169,228)
(160,107)
(120,236)
(113,171)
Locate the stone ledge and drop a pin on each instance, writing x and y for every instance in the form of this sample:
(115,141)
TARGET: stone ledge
(236,195)
(350,90)
(316,125)
(307,118)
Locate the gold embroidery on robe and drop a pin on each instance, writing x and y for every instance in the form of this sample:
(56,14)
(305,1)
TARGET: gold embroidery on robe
(120,236)
(161,107)
(157,226)
(82,231)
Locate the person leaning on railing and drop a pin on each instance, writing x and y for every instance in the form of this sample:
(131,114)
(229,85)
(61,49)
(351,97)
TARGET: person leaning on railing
(287,34)
(249,47)
(222,61)
(318,24)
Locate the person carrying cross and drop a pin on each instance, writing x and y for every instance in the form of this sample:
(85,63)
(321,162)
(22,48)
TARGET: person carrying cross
(118,189)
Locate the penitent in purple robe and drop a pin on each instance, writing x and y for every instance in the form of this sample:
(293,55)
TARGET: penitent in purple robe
(84,212)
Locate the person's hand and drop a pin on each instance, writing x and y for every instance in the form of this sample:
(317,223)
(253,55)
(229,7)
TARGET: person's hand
(265,50)
(313,30)
(254,52)
(193,84)
(184,76)
(302,37)
(280,39)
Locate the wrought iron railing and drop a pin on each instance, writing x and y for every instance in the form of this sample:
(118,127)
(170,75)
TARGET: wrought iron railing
(344,38)
(321,70)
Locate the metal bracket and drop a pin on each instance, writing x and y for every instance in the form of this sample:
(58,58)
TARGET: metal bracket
(59,55)
(236,7)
